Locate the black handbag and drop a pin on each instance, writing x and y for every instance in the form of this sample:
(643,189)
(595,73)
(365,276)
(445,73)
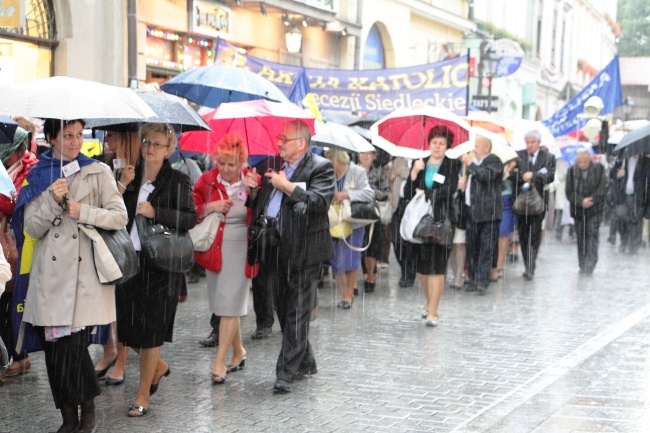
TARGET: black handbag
(262,236)
(165,248)
(121,247)
(459,210)
(361,212)
(431,231)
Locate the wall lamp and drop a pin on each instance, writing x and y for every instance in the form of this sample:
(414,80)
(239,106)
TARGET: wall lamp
(263,10)
(344,32)
(286,19)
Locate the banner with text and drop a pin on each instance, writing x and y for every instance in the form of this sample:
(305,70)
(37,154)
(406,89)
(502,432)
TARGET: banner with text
(441,84)
(606,85)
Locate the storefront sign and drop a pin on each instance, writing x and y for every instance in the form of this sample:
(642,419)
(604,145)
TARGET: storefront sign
(12,13)
(441,84)
(481,102)
(209,18)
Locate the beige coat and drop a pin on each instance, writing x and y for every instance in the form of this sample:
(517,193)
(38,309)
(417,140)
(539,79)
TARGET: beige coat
(63,287)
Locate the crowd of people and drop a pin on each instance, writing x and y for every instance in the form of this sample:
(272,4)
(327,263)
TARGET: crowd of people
(274,234)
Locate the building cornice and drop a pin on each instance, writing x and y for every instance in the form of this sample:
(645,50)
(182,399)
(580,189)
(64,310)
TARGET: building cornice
(440,15)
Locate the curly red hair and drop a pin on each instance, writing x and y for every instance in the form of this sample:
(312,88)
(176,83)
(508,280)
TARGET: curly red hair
(232,145)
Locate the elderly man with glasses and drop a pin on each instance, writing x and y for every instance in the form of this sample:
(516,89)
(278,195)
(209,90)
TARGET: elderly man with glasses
(295,194)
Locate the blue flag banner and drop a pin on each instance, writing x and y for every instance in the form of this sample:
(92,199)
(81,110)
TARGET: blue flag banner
(440,84)
(606,85)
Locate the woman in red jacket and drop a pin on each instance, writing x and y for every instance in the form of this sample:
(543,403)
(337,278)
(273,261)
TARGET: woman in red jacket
(223,190)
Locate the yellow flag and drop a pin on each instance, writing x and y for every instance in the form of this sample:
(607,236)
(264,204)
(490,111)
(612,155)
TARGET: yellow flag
(309,102)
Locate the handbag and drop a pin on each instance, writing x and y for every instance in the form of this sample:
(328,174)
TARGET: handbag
(203,233)
(262,236)
(429,230)
(165,248)
(459,210)
(528,203)
(416,208)
(385,211)
(8,243)
(360,212)
(120,247)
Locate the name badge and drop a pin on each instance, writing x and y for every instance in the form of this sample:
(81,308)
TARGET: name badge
(438,178)
(71,168)
(119,163)
(302,185)
(148,187)
(241,195)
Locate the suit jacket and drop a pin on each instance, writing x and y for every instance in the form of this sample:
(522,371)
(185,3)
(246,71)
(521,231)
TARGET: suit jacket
(450,169)
(304,227)
(544,161)
(640,181)
(485,189)
(594,186)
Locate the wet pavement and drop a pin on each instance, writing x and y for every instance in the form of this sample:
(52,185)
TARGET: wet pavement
(565,353)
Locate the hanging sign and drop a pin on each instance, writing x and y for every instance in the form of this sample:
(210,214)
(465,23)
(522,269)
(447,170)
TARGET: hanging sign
(12,13)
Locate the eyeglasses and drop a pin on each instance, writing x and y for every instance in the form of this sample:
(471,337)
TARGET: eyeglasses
(284,139)
(146,143)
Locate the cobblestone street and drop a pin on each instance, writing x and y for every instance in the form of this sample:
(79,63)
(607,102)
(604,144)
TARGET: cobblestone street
(565,353)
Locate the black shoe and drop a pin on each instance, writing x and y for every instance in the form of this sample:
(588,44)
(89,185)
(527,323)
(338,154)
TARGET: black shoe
(302,373)
(113,382)
(368,287)
(281,387)
(406,282)
(154,386)
(481,290)
(102,373)
(471,288)
(261,333)
(193,279)
(212,340)
(611,241)
(345,305)
(356,292)
(528,276)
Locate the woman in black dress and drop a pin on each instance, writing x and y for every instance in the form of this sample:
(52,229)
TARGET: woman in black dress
(440,175)
(146,304)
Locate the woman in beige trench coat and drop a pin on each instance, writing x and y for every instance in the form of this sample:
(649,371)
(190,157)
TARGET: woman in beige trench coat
(65,298)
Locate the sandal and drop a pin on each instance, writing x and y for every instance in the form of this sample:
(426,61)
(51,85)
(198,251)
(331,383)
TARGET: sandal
(154,386)
(142,410)
(218,380)
(231,368)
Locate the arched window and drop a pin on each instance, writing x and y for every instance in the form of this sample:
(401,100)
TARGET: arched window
(373,52)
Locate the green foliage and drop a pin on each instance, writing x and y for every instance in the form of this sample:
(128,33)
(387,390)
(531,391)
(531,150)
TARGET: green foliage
(504,34)
(634,17)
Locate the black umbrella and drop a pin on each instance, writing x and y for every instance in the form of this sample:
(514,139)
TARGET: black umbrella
(635,142)
(169,109)
(7,129)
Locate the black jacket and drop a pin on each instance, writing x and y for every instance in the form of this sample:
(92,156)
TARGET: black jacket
(540,180)
(594,186)
(304,236)
(485,189)
(641,181)
(172,198)
(450,169)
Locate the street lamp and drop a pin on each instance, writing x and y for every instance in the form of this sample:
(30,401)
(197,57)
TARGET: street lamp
(490,62)
(294,40)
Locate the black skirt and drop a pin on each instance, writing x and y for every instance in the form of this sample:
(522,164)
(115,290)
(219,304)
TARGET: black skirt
(146,307)
(431,259)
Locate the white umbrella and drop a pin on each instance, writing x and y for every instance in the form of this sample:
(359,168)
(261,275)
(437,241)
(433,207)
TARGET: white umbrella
(522,126)
(71,98)
(500,146)
(343,137)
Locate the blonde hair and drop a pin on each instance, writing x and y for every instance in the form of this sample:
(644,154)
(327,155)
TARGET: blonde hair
(340,155)
(161,128)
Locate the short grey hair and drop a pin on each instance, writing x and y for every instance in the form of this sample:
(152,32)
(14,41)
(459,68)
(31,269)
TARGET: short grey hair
(340,155)
(533,133)
(583,151)
(302,129)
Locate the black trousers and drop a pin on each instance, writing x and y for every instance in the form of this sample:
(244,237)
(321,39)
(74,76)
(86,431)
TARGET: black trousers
(214,323)
(482,238)
(263,298)
(70,369)
(6,326)
(631,228)
(404,251)
(529,228)
(587,236)
(295,296)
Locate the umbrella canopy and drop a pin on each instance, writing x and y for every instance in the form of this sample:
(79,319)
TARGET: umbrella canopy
(258,122)
(213,85)
(635,142)
(404,131)
(168,108)
(8,128)
(70,98)
(490,123)
(500,146)
(335,135)
(522,126)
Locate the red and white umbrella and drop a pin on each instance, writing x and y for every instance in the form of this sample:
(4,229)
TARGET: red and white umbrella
(404,132)
(258,122)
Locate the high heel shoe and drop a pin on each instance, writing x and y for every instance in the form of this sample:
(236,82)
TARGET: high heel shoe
(231,368)
(154,386)
(101,373)
(218,380)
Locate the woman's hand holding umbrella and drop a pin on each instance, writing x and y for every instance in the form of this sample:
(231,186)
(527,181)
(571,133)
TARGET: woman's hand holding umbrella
(145,208)
(59,190)
(252,182)
(126,176)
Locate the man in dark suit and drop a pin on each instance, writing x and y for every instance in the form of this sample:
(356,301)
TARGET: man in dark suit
(296,191)
(586,187)
(483,196)
(535,168)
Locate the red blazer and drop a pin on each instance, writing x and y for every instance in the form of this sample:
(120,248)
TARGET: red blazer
(208,189)
(6,204)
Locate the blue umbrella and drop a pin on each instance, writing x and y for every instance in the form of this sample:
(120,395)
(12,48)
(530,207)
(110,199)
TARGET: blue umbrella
(212,85)
(7,129)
